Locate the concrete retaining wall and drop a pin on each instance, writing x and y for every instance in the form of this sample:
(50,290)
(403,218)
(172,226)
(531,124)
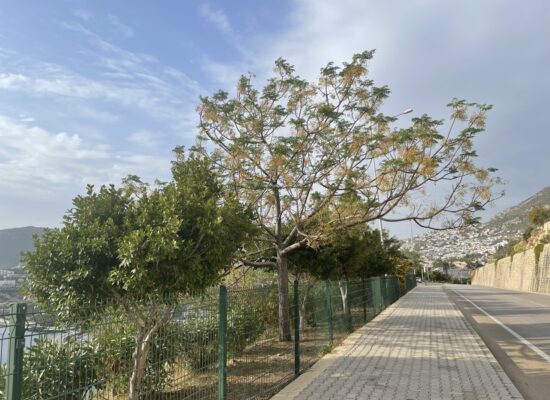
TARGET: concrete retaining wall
(520,272)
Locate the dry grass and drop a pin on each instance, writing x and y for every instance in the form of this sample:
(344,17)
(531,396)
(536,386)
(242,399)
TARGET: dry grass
(263,368)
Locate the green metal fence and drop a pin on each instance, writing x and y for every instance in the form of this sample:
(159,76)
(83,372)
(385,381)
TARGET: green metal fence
(222,345)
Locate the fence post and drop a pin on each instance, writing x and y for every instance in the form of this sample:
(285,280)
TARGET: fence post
(376,293)
(349,321)
(296,329)
(14,376)
(364,298)
(384,292)
(222,344)
(328,302)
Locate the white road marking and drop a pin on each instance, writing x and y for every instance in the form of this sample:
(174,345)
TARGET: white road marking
(538,351)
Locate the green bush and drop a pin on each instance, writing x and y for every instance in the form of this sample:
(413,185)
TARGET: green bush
(539,215)
(198,336)
(103,360)
(438,276)
(2,380)
(244,326)
(527,232)
(114,341)
(266,306)
(196,341)
(65,370)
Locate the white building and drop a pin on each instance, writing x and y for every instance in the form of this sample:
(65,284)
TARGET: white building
(8,284)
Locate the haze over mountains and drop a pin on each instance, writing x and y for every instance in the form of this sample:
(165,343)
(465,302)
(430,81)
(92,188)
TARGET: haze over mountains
(13,242)
(481,240)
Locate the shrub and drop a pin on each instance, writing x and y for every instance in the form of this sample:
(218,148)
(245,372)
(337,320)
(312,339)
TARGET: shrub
(243,327)
(438,276)
(196,340)
(266,305)
(198,336)
(2,380)
(539,215)
(527,233)
(114,341)
(53,370)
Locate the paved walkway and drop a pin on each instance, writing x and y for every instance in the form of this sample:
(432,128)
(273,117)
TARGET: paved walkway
(419,348)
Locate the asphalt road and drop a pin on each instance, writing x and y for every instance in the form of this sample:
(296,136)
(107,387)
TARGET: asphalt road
(516,328)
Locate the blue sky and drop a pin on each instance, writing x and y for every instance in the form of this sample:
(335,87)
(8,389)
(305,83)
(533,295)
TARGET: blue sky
(91,91)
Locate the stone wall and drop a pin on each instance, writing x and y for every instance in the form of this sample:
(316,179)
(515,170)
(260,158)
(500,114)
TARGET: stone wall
(520,272)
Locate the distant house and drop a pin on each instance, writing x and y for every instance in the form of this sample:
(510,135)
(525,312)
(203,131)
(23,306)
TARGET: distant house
(5,273)
(456,273)
(8,284)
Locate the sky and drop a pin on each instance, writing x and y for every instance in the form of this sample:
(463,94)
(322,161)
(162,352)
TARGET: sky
(91,91)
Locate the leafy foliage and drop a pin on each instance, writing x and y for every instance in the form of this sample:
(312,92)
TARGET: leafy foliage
(196,339)
(134,245)
(351,254)
(52,369)
(539,215)
(3,370)
(114,343)
(119,244)
(292,149)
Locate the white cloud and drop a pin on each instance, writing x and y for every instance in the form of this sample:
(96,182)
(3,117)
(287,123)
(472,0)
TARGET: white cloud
(120,27)
(26,118)
(159,95)
(216,17)
(145,139)
(220,20)
(428,52)
(8,81)
(35,160)
(82,14)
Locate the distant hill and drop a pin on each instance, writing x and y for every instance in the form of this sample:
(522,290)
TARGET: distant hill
(515,218)
(14,241)
(482,239)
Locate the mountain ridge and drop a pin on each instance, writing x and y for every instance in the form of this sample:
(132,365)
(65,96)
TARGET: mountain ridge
(15,240)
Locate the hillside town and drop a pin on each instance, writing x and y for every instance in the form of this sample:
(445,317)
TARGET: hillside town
(11,279)
(478,242)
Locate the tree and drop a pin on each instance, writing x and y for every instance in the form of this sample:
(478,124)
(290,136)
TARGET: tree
(139,248)
(354,253)
(539,215)
(291,149)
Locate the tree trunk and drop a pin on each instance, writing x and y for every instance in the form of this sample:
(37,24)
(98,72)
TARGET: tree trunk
(139,357)
(146,329)
(282,280)
(303,307)
(344,293)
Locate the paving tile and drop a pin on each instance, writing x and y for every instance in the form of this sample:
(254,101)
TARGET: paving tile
(420,348)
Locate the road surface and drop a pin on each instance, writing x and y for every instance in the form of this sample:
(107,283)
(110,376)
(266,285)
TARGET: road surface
(516,328)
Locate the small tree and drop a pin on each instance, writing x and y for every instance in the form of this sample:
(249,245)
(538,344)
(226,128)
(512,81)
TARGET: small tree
(291,149)
(354,253)
(539,215)
(139,248)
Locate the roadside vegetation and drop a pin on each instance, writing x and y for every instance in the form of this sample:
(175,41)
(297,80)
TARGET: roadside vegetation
(534,235)
(283,180)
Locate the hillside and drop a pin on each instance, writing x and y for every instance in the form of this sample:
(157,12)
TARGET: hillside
(481,240)
(13,242)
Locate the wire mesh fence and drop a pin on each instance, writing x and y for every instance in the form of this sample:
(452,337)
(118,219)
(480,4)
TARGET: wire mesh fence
(222,345)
